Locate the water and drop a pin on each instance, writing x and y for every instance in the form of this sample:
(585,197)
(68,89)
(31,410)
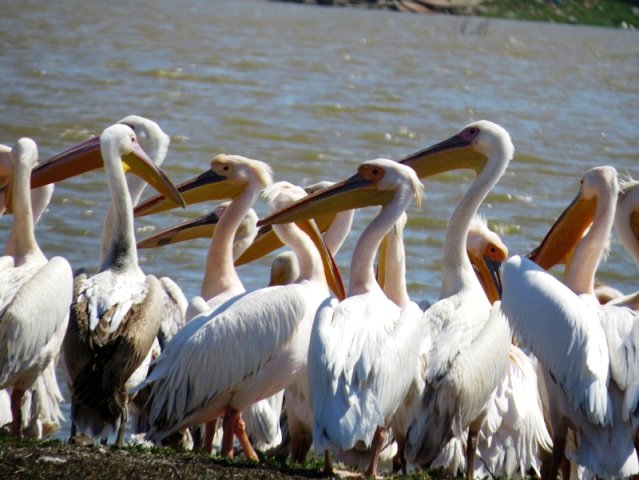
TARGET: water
(313,92)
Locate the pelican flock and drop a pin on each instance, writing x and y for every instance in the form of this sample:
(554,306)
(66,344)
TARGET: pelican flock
(512,371)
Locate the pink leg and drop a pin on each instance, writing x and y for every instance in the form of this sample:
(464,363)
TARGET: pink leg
(376,447)
(209,433)
(227,434)
(240,432)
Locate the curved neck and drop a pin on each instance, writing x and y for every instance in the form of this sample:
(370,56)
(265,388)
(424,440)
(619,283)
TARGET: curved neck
(40,198)
(135,185)
(580,274)
(121,252)
(219,273)
(457,270)
(395,261)
(338,231)
(25,244)
(308,258)
(362,265)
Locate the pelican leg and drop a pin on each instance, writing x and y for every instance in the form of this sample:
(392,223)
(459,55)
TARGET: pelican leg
(240,432)
(125,415)
(16,402)
(549,472)
(376,447)
(227,433)
(300,444)
(399,460)
(328,465)
(471,448)
(74,431)
(209,433)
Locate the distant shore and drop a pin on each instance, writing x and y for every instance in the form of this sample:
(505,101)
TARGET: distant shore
(604,13)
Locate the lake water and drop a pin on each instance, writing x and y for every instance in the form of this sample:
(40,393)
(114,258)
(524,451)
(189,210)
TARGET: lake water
(314,91)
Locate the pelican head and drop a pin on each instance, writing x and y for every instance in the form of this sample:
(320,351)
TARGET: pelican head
(120,141)
(22,157)
(486,252)
(228,176)
(87,156)
(597,190)
(377,180)
(152,138)
(471,148)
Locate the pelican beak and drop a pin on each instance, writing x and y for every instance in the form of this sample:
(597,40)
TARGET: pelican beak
(7,189)
(79,159)
(199,227)
(206,186)
(489,273)
(331,271)
(267,241)
(355,192)
(451,154)
(565,233)
(381,263)
(139,163)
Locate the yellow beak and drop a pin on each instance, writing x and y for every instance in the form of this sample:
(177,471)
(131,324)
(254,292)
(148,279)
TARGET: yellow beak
(565,233)
(357,192)
(199,227)
(489,275)
(381,263)
(139,163)
(267,241)
(206,186)
(86,156)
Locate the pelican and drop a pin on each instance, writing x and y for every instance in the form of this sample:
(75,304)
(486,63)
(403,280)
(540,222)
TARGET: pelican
(587,351)
(115,314)
(35,295)
(242,179)
(360,346)
(486,148)
(627,227)
(466,352)
(247,349)
(514,433)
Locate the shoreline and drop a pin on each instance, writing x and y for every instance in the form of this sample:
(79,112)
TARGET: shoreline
(603,13)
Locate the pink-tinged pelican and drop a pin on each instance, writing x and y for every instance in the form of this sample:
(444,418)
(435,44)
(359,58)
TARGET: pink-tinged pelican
(115,314)
(34,296)
(359,347)
(241,179)
(245,350)
(587,352)
(41,414)
(466,352)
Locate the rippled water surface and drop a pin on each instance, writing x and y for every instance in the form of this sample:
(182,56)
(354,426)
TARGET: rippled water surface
(313,92)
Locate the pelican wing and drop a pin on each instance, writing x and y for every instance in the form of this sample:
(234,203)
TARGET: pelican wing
(562,332)
(37,314)
(114,357)
(226,349)
(175,305)
(621,327)
(359,366)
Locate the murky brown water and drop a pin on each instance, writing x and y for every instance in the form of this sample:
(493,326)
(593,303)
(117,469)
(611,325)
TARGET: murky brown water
(314,91)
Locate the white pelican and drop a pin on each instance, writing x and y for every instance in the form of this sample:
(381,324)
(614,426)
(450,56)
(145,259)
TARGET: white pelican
(115,314)
(466,353)
(34,296)
(486,148)
(627,227)
(514,433)
(587,351)
(246,350)
(360,346)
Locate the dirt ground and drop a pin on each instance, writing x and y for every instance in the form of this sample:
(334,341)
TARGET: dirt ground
(54,459)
